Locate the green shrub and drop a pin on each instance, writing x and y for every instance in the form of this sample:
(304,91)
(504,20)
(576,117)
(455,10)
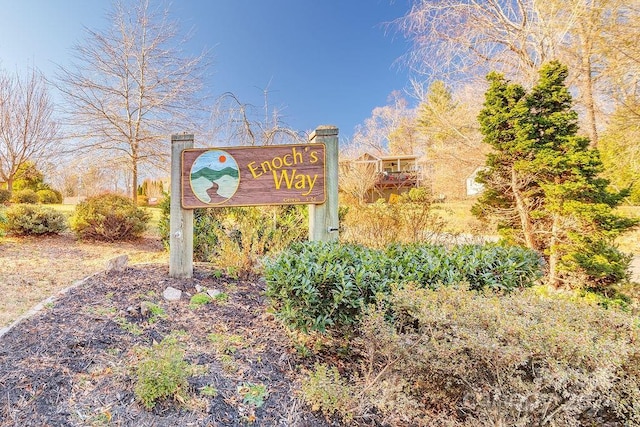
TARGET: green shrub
(199,299)
(49,197)
(236,239)
(325,390)
(246,235)
(161,372)
(472,359)
(318,285)
(109,217)
(34,220)
(5,196)
(143,200)
(3,222)
(25,196)
(206,222)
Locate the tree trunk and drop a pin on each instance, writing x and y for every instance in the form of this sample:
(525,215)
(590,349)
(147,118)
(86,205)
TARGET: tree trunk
(523,213)
(10,185)
(587,91)
(134,181)
(553,252)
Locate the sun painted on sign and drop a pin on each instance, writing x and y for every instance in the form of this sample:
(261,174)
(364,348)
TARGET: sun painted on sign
(214,177)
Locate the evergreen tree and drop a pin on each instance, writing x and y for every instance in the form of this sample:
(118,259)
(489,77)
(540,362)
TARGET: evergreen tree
(543,181)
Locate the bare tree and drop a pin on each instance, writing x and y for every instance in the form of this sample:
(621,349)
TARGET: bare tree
(458,40)
(239,123)
(132,85)
(453,143)
(389,129)
(28,131)
(357,179)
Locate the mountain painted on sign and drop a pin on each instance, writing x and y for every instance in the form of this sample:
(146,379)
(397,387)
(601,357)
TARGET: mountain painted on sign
(214,177)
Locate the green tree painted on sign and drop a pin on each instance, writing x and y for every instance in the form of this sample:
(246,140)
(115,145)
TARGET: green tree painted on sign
(543,183)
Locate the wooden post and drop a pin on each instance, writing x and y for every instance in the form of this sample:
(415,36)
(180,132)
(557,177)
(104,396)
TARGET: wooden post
(323,219)
(181,220)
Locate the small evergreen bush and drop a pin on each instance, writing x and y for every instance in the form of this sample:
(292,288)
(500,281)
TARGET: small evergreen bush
(34,220)
(5,196)
(109,217)
(49,197)
(26,195)
(319,285)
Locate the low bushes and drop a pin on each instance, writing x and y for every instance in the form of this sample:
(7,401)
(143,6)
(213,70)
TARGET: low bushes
(160,372)
(236,239)
(3,221)
(49,197)
(26,195)
(411,219)
(461,358)
(109,217)
(34,220)
(317,285)
(5,196)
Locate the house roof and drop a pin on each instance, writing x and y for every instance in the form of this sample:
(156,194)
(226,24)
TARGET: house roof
(369,156)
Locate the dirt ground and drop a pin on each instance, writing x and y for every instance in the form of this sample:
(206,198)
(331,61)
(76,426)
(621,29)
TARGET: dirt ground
(34,268)
(73,363)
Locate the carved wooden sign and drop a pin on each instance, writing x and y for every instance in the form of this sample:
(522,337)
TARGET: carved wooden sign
(252,176)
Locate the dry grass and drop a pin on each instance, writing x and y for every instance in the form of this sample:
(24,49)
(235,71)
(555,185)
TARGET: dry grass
(34,268)
(459,219)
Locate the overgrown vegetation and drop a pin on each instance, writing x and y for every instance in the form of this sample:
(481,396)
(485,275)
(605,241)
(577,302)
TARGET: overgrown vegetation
(411,219)
(109,217)
(49,197)
(457,357)
(3,221)
(319,286)
(34,220)
(236,239)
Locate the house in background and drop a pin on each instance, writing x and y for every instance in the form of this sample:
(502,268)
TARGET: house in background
(387,175)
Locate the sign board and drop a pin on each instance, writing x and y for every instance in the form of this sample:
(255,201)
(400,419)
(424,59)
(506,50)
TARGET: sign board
(252,176)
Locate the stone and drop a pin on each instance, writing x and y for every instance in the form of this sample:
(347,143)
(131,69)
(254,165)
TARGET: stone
(213,292)
(199,288)
(117,264)
(172,294)
(145,308)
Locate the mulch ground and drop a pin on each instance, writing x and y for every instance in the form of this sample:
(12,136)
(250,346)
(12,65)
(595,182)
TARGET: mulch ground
(71,364)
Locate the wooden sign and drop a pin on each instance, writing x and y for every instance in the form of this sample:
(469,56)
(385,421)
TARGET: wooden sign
(252,176)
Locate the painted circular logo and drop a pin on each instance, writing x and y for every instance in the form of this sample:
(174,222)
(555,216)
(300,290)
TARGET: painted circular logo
(214,177)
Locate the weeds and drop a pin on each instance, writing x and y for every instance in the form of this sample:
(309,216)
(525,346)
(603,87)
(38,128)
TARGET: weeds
(161,372)
(253,394)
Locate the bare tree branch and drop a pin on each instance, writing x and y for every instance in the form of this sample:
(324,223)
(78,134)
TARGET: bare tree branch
(28,131)
(132,85)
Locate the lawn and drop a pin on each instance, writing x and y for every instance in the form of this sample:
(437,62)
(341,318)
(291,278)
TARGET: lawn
(460,220)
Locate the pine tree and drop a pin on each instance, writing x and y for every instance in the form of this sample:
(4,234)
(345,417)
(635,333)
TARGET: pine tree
(545,174)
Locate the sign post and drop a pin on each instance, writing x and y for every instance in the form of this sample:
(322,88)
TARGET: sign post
(181,220)
(251,176)
(323,218)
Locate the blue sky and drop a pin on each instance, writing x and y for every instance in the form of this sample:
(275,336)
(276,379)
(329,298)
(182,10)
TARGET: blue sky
(323,61)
